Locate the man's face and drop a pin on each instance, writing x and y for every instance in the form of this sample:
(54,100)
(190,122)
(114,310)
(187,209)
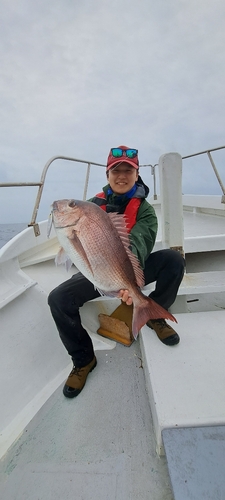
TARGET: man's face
(122,178)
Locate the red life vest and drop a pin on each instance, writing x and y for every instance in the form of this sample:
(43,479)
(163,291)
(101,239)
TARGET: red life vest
(130,211)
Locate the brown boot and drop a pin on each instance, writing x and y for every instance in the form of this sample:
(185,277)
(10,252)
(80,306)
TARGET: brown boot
(165,332)
(77,379)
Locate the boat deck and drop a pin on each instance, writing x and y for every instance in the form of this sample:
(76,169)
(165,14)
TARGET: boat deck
(196,462)
(203,232)
(99,446)
(103,444)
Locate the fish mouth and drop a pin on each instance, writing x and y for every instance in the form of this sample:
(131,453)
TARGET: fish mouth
(60,216)
(54,206)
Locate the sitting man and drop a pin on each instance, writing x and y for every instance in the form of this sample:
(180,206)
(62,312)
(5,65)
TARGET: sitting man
(125,193)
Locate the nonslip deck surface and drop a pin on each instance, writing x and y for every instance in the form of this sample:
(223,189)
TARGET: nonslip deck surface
(196,462)
(99,446)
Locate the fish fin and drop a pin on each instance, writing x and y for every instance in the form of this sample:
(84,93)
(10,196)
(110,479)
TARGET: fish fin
(145,310)
(119,222)
(139,275)
(79,248)
(62,258)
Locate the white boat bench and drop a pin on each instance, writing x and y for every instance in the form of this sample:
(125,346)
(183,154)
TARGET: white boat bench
(197,283)
(185,385)
(16,282)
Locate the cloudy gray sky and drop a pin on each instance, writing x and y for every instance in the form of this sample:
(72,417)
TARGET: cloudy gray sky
(78,77)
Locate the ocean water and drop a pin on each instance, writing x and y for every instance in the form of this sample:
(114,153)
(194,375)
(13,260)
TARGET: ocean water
(8,231)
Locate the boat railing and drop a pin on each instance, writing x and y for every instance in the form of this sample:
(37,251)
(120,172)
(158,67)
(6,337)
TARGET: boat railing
(206,152)
(41,183)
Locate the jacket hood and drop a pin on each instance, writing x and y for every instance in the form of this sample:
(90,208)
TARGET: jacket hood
(142,189)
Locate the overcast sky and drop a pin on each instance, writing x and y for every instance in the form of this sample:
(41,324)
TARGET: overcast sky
(80,76)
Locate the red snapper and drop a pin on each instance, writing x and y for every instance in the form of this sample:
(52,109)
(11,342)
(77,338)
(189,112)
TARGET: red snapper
(98,244)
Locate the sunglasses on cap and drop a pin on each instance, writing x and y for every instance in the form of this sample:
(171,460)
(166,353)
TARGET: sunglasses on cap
(118,152)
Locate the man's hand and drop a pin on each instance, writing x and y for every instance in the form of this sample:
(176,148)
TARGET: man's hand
(125,297)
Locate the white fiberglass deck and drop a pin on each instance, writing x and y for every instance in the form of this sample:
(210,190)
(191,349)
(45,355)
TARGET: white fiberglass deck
(186,383)
(116,446)
(204,229)
(98,446)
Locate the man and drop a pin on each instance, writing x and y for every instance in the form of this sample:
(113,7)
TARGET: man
(125,193)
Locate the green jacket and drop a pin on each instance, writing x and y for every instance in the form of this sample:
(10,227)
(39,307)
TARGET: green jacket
(143,233)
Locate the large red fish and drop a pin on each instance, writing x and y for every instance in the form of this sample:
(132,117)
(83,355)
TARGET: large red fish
(98,244)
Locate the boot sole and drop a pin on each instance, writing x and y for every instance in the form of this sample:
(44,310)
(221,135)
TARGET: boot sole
(75,392)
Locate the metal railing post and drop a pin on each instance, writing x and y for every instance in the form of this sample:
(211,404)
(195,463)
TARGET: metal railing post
(86,181)
(217,175)
(42,181)
(208,152)
(154,179)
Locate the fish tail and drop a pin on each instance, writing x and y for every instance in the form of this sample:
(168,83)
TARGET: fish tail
(146,309)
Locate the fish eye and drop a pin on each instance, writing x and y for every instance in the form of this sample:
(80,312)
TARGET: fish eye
(72,203)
